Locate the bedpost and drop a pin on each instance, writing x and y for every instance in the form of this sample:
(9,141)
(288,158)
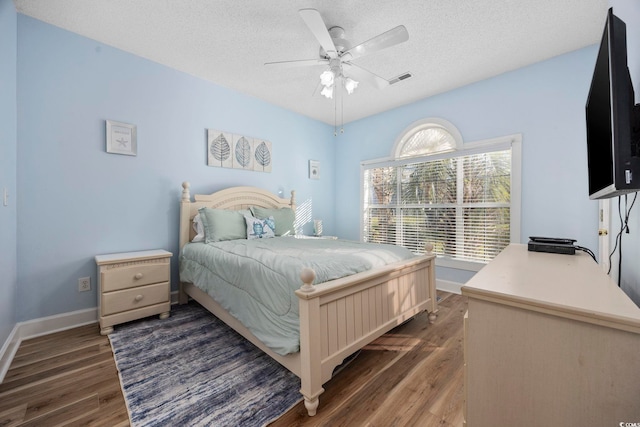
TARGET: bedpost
(307,276)
(292,203)
(428,247)
(185,223)
(186,196)
(310,358)
(185,212)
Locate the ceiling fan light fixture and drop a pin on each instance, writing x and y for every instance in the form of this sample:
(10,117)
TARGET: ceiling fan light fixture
(327,78)
(327,91)
(350,85)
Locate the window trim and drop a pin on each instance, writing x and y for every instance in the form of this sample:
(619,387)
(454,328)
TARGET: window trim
(514,142)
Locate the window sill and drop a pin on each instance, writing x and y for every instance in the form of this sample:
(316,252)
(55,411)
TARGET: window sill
(459,264)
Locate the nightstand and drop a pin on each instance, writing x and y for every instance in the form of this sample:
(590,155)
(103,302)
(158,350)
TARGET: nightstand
(133,285)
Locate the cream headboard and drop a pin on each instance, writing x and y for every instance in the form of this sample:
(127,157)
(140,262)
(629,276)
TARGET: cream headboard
(233,198)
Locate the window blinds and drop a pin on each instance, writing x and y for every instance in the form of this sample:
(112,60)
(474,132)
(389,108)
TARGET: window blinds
(459,204)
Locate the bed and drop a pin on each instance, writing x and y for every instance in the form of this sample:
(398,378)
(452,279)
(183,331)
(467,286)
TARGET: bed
(335,318)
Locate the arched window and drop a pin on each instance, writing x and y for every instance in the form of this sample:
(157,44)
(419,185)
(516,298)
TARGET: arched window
(464,198)
(428,136)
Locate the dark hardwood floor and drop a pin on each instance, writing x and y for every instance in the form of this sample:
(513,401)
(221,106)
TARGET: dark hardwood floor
(66,378)
(411,376)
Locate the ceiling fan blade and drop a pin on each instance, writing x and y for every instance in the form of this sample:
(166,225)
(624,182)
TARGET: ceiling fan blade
(297,63)
(387,39)
(316,24)
(360,74)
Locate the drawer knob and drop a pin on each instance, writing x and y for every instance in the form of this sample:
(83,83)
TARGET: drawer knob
(138,276)
(138,298)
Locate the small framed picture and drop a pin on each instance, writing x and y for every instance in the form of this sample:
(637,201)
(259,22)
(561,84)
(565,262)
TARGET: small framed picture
(314,169)
(121,138)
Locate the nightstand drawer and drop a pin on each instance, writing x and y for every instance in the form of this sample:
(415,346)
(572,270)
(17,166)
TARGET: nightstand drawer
(135,275)
(131,299)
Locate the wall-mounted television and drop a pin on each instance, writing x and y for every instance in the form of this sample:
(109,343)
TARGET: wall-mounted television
(613,122)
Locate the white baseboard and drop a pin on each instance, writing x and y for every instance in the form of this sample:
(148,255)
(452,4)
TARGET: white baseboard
(56,323)
(8,350)
(448,286)
(47,325)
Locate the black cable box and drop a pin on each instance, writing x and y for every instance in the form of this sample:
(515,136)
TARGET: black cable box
(553,248)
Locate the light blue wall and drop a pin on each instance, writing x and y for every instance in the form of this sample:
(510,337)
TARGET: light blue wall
(8,139)
(544,102)
(629,12)
(76,201)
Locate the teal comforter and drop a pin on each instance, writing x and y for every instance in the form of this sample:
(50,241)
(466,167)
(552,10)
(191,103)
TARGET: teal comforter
(255,280)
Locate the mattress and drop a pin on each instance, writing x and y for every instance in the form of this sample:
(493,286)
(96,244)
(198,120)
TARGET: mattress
(255,280)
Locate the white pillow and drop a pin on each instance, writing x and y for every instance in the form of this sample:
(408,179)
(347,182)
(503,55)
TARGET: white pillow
(198,228)
(260,228)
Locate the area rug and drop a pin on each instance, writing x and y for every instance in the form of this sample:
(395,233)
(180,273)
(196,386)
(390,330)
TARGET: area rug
(193,370)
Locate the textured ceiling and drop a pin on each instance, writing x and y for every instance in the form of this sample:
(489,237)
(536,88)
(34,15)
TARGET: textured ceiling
(451,42)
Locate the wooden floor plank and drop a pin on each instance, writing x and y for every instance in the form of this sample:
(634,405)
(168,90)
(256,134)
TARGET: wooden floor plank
(411,376)
(43,364)
(75,409)
(71,337)
(75,366)
(58,398)
(59,385)
(13,415)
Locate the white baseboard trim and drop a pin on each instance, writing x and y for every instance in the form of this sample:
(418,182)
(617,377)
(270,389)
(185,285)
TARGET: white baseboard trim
(448,286)
(42,326)
(8,350)
(56,323)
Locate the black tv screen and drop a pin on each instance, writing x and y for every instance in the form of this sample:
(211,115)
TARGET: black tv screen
(614,165)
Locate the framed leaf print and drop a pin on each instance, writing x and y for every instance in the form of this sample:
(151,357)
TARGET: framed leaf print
(242,152)
(262,156)
(227,150)
(219,149)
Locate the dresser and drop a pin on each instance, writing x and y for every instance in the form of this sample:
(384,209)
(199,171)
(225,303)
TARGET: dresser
(133,285)
(550,340)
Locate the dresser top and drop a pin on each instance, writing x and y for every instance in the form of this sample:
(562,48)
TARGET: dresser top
(571,286)
(131,256)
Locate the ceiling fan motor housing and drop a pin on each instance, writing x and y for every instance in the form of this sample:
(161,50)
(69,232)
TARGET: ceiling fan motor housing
(341,44)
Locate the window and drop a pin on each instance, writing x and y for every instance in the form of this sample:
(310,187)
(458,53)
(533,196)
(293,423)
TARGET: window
(462,199)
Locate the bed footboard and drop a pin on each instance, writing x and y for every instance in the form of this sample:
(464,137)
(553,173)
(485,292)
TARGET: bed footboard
(339,317)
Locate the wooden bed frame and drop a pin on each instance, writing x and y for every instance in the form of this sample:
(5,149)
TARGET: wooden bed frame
(338,317)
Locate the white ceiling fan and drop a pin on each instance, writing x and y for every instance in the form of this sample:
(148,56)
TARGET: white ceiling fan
(337,54)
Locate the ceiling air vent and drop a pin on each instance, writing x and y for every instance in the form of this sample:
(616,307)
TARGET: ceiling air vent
(400,78)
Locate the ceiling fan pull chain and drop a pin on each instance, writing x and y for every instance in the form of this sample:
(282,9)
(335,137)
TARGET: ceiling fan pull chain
(335,115)
(342,108)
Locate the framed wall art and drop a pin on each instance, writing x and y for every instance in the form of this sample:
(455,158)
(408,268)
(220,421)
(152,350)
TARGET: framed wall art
(121,138)
(314,169)
(228,150)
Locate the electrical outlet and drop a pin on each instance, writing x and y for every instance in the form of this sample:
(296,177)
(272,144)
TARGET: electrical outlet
(84,284)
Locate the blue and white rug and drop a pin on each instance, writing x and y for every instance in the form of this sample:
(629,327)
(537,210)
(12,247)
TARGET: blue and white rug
(193,370)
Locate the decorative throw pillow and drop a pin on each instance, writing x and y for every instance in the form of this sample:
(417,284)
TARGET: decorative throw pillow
(260,228)
(222,224)
(198,228)
(284,218)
